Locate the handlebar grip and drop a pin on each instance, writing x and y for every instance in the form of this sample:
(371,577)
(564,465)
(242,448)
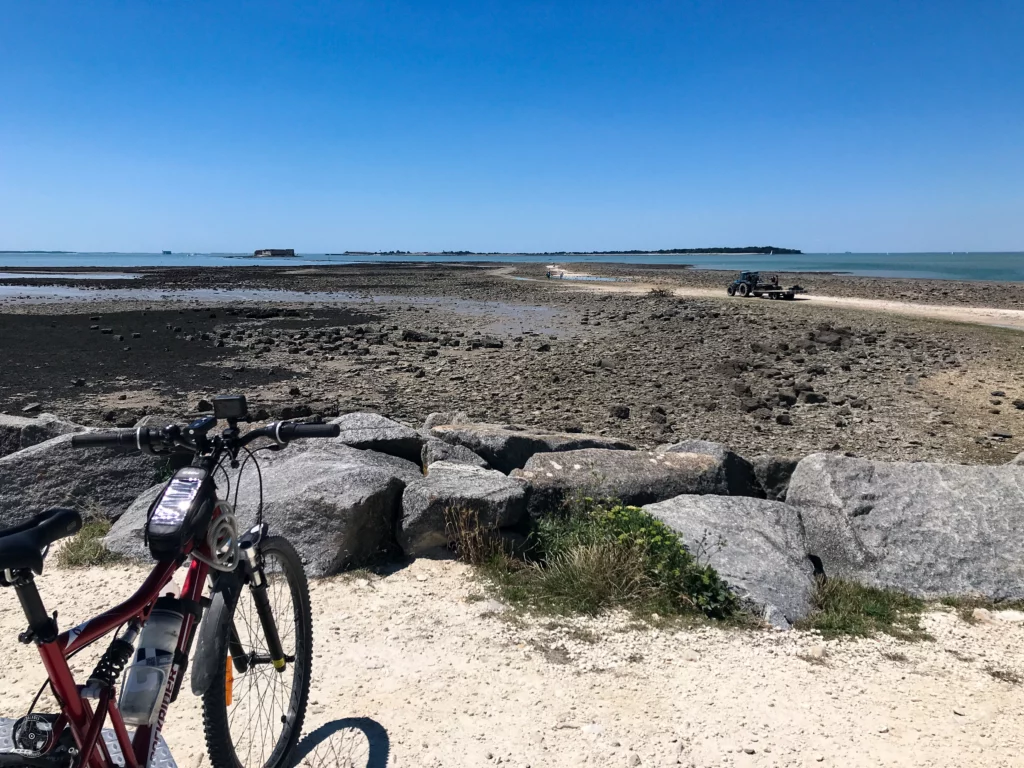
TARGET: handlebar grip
(287,431)
(122,438)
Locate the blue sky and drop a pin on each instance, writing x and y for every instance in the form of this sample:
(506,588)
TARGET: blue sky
(220,126)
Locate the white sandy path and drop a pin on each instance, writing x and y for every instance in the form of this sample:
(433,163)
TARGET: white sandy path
(455,685)
(1003,318)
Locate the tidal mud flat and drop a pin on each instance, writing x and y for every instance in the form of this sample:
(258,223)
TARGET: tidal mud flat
(785,378)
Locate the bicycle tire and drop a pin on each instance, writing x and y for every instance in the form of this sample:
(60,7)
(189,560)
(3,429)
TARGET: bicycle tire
(222,745)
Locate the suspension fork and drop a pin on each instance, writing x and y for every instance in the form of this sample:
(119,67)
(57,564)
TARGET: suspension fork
(249,549)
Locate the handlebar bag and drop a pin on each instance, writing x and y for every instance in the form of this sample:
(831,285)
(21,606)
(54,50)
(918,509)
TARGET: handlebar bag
(182,510)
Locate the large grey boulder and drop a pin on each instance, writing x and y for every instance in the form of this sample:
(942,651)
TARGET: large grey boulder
(737,472)
(632,477)
(126,536)
(435,450)
(18,432)
(103,481)
(506,448)
(338,505)
(773,474)
(755,545)
(498,501)
(927,529)
(371,431)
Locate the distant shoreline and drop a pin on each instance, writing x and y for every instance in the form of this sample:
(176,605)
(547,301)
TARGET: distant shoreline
(986,267)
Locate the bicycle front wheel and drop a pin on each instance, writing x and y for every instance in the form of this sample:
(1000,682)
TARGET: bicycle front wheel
(253,718)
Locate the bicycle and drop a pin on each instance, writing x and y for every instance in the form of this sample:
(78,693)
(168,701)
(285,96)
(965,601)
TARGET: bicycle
(254,629)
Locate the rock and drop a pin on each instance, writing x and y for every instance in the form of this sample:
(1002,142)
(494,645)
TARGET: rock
(204,406)
(773,474)
(487,342)
(52,473)
(32,408)
(1010,616)
(619,411)
(737,473)
(507,448)
(499,501)
(19,432)
(632,477)
(338,505)
(928,529)
(435,450)
(445,417)
(418,337)
(754,544)
(373,432)
(982,615)
(656,415)
(816,652)
(126,535)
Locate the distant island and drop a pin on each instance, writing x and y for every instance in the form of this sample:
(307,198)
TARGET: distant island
(747,250)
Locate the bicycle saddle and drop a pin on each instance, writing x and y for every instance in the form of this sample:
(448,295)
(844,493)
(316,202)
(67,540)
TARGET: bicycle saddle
(21,546)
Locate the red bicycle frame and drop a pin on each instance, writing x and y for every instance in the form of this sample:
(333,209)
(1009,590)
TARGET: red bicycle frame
(87,723)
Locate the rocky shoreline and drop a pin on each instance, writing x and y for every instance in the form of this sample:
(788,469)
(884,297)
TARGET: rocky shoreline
(760,376)
(768,525)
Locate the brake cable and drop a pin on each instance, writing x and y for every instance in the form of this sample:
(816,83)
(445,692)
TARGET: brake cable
(259,475)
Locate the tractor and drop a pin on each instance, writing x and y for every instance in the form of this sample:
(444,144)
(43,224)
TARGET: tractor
(749,284)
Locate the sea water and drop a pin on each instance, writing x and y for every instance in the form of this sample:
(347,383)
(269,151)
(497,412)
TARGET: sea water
(1005,266)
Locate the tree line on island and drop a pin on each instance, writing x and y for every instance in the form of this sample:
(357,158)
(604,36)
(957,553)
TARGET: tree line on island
(750,249)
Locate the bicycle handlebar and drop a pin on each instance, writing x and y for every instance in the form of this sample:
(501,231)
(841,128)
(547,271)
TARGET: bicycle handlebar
(287,431)
(122,438)
(146,438)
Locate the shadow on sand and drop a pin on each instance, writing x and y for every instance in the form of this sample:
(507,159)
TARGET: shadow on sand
(352,742)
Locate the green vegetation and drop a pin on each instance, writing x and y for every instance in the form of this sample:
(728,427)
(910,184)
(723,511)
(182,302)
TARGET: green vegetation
(844,608)
(85,549)
(595,557)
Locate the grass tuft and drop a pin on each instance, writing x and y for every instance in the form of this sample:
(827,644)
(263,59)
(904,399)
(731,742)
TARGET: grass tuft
(85,549)
(847,609)
(470,540)
(597,557)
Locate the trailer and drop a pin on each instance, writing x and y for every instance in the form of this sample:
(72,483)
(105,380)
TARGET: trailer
(749,284)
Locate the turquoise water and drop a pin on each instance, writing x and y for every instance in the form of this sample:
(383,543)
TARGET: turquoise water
(1007,266)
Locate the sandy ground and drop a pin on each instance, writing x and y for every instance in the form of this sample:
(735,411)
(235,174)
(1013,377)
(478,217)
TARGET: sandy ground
(1002,318)
(448,678)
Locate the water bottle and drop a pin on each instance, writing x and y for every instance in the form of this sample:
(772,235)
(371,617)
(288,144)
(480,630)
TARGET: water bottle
(146,681)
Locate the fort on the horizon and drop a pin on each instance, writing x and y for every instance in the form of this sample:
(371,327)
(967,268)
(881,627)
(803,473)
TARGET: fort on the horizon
(274,252)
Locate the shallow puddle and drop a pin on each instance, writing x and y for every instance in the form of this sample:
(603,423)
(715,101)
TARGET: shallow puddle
(68,276)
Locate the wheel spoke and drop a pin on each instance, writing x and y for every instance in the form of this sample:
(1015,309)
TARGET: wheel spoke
(268,705)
